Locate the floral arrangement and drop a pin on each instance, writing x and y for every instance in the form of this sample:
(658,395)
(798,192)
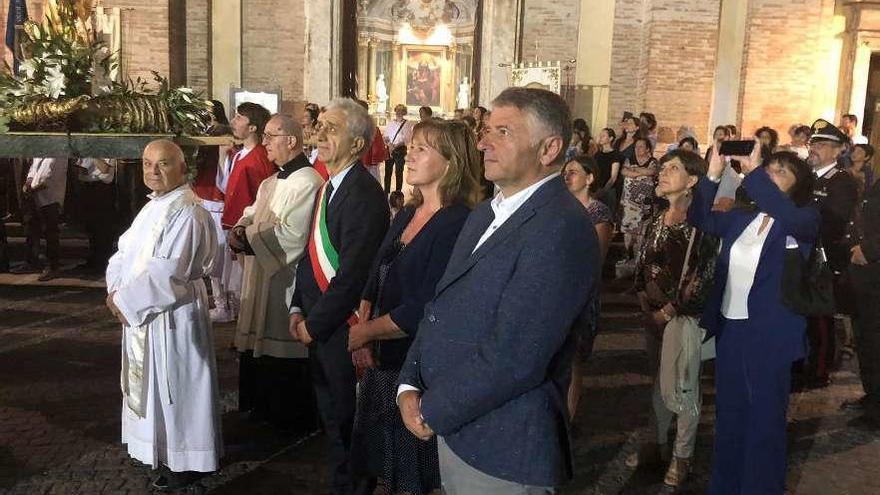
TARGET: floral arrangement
(64,85)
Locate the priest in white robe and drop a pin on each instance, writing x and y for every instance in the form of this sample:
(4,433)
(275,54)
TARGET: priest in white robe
(170,409)
(272,234)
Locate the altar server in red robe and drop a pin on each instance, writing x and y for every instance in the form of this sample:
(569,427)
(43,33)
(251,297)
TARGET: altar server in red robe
(239,178)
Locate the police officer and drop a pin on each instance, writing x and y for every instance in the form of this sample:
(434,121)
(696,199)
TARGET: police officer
(836,195)
(864,241)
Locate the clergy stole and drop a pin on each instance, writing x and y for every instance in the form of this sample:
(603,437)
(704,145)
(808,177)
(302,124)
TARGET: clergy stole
(134,353)
(322,254)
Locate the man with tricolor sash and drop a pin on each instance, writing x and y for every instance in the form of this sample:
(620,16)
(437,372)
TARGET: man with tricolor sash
(349,223)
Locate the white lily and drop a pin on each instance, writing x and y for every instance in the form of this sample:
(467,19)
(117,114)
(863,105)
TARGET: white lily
(29,67)
(55,81)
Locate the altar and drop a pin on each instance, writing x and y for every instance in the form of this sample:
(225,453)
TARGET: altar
(418,53)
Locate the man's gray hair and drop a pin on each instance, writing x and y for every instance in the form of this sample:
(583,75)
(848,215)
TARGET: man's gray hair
(360,124)
(289,126)
(547,108)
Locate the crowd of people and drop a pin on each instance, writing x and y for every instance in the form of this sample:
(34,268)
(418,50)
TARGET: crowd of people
(437,333)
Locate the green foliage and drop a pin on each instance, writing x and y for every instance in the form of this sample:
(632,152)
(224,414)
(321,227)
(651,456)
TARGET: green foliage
(56,88)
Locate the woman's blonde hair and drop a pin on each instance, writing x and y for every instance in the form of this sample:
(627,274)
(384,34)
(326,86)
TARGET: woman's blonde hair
(457,144)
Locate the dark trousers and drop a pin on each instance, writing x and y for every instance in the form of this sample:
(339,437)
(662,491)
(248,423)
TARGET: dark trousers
(866,324)
(334,381)
(43,221)
(4,247)
(278,390)
(394,165)
(752,387)
(820,361)
(97,202)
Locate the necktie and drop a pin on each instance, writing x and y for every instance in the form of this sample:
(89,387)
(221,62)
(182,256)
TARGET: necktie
(328,193)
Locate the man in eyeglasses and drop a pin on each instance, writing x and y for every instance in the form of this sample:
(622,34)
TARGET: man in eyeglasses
(270,238)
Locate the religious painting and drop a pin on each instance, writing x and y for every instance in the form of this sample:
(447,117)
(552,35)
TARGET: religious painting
(424,77)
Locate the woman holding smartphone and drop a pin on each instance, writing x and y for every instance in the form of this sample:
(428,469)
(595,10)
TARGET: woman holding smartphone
(757,337)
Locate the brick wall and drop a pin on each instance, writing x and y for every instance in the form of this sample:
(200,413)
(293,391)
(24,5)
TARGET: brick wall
(273,46)
(198,41)
(663,61)
(785,47)
(680,63)
(145,45)
(145,33)
(628,59)
(554,25)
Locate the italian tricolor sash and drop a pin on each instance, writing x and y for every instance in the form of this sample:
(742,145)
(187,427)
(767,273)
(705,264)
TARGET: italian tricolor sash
(322,254)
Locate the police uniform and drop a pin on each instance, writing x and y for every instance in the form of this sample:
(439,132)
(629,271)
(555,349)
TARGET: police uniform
(836,196)
(864,231)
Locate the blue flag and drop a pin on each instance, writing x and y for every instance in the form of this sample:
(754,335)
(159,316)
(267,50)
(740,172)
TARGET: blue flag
(17,16)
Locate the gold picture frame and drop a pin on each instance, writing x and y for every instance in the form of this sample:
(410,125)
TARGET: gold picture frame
(427,77)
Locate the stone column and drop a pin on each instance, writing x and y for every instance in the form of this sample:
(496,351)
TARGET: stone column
(226,49)
(397,87)
(363,70)
(373,72)
(502,37)
(728,69)
(593,71)
(321,81)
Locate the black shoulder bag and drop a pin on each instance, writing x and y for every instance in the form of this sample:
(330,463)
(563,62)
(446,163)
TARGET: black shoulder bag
(808,286)
(399,153)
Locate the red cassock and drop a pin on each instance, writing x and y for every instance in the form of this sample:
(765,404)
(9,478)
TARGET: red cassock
(377,152)
(205,183)
(241,189)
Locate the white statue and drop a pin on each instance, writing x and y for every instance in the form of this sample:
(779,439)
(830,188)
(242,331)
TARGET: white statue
(381,95)
(464,94)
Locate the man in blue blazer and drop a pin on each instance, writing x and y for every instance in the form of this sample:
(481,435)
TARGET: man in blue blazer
(489,368)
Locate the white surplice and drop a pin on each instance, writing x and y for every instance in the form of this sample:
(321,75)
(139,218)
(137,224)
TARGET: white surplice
(168,351)
(277,228)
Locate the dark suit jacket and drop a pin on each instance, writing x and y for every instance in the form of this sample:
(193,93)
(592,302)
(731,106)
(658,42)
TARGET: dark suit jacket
(865,232)
(413,276)
(777,330)
(865,227)
(493,352)
(357,219)
(836,196)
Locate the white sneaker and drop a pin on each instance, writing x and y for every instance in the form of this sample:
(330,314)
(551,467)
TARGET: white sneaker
(221,315)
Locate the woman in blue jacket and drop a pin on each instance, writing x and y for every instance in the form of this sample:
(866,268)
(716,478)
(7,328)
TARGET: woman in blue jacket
(757,337)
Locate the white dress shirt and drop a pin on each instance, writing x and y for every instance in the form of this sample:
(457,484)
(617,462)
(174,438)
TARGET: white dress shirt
(504,208)
(396,138)
(860,139)
(224,172)
(48,177)
(744,256)
(89,171)
(824,170)
(337,179)
(730,182)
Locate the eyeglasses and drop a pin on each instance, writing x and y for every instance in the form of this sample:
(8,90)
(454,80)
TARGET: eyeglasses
(267,136)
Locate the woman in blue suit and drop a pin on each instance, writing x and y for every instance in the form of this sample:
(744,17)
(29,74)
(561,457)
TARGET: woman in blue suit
(757,337)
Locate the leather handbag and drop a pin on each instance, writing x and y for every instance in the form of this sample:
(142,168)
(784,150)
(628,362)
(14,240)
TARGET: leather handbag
(808,285)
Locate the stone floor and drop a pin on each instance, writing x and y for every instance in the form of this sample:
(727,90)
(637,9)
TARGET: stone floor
(60,403)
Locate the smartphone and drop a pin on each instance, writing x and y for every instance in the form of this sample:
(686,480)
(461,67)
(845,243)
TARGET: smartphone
(737,148)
